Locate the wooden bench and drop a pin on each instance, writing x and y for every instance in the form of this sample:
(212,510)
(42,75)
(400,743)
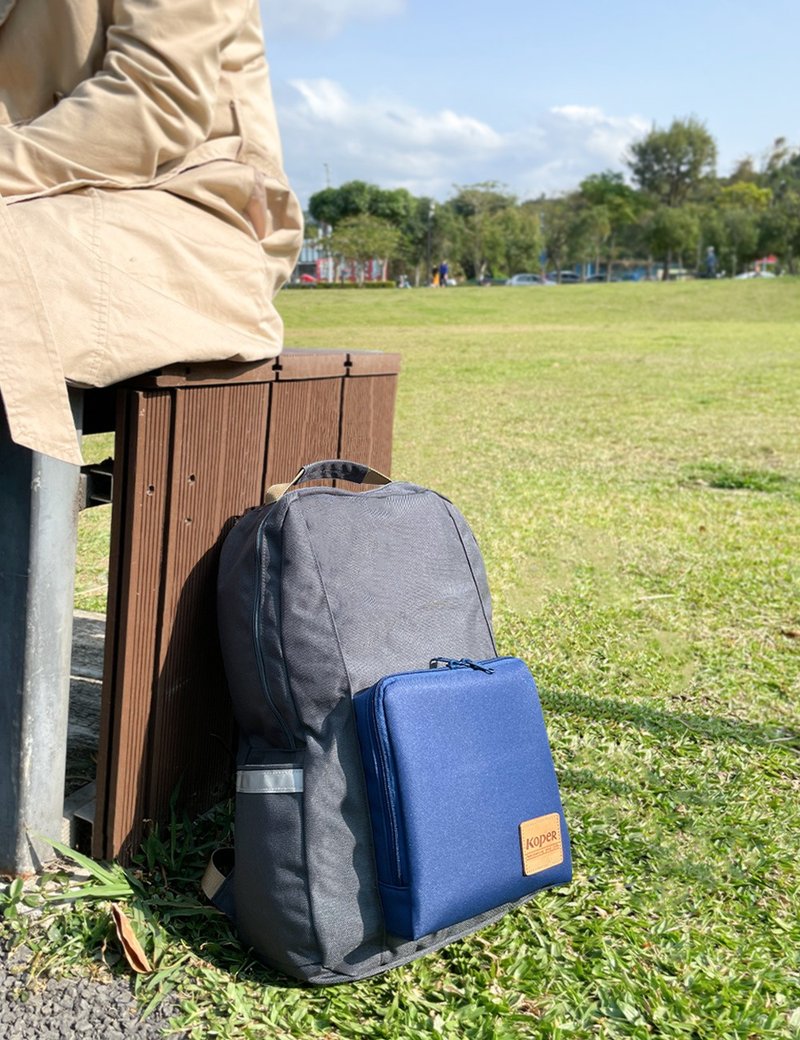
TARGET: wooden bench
(195,446)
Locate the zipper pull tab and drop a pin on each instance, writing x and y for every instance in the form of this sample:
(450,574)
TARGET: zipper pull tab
(462,662)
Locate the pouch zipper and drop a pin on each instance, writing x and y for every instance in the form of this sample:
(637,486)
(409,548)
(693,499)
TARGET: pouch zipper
(388,803)
(451,663)
(257,615)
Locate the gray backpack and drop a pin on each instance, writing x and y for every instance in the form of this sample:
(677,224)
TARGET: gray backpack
(321,593)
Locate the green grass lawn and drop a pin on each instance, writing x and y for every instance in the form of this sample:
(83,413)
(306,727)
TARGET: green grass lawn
(629,458)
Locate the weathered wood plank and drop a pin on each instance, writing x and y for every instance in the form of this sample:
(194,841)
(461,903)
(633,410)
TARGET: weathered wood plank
(141,497)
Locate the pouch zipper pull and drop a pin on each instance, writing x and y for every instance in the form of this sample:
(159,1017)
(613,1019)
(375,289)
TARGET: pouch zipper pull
(461,662)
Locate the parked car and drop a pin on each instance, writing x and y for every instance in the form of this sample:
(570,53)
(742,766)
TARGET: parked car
(566,277)
(755,274)
(528,279)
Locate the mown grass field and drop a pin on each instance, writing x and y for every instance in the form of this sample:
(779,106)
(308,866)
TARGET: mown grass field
(629,458)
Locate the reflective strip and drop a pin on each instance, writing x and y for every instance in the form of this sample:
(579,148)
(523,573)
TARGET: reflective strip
(269,781)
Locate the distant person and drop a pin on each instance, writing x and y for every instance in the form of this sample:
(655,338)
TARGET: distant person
(443,270)
(711,263)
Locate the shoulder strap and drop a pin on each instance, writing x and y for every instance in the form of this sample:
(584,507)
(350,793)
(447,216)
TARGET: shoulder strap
(217,882)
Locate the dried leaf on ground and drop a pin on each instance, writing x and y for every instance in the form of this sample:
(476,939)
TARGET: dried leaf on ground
(131,947)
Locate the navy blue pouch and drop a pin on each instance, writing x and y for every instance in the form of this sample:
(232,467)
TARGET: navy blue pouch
(464,802)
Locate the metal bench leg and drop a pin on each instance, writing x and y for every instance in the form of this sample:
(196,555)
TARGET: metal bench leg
(38,536)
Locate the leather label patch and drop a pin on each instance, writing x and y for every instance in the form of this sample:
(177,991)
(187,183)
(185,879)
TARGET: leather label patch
(541,843)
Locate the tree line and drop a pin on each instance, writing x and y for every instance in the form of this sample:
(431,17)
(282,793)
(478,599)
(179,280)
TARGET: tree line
(670,210)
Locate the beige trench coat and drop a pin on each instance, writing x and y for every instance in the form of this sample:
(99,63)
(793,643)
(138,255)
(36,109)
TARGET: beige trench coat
(144,214)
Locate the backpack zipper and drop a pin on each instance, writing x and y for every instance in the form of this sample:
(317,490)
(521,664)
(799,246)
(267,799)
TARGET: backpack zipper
(257,615)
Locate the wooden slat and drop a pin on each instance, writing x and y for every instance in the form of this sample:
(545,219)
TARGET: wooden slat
(367,420)
(223,372)
(372,363)
(118,572)
(142,487)
(219,446)
(303,363)
(303,426)
(292,363)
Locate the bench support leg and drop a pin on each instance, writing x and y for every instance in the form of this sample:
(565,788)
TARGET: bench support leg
(38,539)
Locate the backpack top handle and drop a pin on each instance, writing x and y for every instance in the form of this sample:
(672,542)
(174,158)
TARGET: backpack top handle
(328,469)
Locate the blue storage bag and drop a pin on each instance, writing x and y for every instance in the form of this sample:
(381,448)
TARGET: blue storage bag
(464,802)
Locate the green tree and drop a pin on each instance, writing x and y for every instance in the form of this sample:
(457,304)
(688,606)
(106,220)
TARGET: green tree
(332,205)
(513,240)
(783,159)
(671,232)
(356,198)
(475,206)
(364,238)
(740,239)
(426,228)
(557,216)
(745,171)
(396,205)
(745,195)
(732,222)
(573,231)
(618,208)
(450,239)
(589,233)
(672,164)
(779,229)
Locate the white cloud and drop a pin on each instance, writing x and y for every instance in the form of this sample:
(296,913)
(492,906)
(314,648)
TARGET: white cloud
(384,141)
(322,19)
(574,141)
(607,137)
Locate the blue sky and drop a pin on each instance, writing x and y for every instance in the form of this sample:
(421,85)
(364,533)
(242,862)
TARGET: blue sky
(535,95)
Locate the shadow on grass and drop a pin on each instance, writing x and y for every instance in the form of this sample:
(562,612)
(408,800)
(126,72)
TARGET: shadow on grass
(660,722)
(571,779)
